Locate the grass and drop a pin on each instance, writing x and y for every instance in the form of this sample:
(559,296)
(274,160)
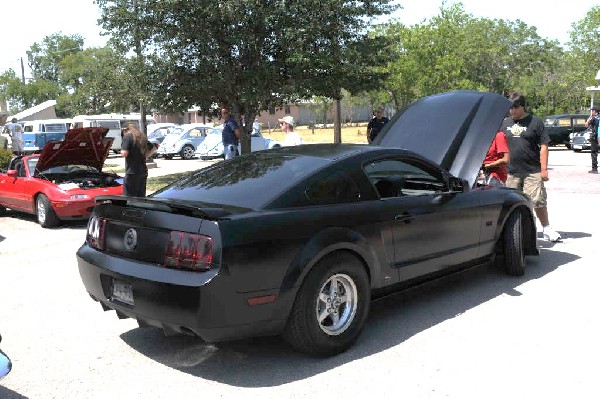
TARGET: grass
(350,134)
(155,183)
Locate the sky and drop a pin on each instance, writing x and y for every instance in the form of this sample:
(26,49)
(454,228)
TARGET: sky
(35,19)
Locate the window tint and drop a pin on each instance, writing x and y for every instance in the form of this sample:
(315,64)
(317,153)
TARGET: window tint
(250,181)
(394,178)
(335,189)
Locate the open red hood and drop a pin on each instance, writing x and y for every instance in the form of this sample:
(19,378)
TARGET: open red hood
(81,146)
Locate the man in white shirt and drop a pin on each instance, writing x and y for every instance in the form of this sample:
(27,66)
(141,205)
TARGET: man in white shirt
(287,126)
(15,132)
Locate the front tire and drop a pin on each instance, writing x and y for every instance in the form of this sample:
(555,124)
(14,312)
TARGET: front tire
(331,306)
(513,248)
(2,210)
(46,216)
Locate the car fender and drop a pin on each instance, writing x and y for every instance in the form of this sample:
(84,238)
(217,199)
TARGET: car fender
(272,144)
(181,143)
(517,200)
(324,243)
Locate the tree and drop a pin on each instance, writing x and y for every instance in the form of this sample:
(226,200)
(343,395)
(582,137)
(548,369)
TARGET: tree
(250,55)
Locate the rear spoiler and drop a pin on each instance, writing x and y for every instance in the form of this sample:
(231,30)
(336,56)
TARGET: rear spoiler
(211,213)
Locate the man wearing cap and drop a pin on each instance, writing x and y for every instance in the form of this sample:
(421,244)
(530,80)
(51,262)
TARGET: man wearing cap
(592,123)
(231,134)
(15,132)
(528,164)
(291,137)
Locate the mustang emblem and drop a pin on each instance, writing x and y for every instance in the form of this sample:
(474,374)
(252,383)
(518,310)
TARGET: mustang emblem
(130,240)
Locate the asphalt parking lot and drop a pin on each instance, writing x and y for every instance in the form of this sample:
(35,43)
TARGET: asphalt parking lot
(480,334)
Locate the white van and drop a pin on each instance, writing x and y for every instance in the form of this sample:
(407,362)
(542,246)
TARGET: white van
(113,122)
(37,132)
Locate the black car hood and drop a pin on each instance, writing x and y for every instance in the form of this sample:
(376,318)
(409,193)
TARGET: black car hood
(453,129)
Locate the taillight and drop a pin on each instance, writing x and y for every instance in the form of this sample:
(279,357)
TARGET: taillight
(189,251)
(95,232)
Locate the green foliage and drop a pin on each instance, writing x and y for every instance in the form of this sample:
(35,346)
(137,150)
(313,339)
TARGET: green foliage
(5,157)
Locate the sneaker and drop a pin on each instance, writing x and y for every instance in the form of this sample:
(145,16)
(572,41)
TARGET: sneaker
(551,235)
(593,171)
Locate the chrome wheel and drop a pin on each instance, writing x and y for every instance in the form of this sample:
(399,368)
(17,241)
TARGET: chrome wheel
(337,303)
(41,210)
(187,152)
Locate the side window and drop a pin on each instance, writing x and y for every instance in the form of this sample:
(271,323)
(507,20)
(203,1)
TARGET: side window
(334,189)
(579,122)
(396,178)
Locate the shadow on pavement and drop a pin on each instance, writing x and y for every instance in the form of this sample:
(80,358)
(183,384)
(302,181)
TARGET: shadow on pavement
(264,362)
(6,393)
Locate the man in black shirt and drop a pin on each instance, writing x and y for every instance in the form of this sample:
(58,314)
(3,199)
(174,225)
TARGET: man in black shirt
(528,165)
(375,125)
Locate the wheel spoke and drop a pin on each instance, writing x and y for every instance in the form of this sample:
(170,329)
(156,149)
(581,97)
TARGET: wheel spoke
(335,318)
(323,315)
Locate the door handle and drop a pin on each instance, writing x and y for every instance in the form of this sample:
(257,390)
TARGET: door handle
(405,217)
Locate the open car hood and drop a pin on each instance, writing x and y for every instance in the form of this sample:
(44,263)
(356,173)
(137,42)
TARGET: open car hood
(81,146)
(453,129)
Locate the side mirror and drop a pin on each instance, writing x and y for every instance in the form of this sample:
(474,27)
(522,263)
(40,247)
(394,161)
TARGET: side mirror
(12,173)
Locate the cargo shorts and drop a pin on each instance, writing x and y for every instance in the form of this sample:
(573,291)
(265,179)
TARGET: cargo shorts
(532,185)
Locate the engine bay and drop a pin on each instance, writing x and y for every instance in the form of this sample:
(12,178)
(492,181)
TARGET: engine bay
(85,181)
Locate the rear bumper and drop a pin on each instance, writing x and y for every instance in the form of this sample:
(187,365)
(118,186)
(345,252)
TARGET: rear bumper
(178,302)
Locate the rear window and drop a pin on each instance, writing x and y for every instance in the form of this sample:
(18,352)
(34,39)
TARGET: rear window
(251,181)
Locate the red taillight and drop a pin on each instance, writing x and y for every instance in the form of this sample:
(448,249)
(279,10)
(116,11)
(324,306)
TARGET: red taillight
(189,251)
(95,232)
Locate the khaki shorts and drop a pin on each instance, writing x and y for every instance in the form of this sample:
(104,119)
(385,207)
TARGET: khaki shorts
(532,185)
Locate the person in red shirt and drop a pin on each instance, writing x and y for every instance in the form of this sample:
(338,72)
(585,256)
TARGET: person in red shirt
(495,161)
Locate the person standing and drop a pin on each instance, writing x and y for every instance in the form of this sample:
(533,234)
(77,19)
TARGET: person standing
(15,131)
(135,148)
(592,123)
(291,137)
(528,165)
(375,125)
(231,134)
(496,160)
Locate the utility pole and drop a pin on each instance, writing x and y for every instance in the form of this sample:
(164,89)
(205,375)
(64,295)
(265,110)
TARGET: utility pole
(22,71)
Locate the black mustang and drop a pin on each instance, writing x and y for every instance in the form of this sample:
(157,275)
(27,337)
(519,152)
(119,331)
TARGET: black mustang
(297,240)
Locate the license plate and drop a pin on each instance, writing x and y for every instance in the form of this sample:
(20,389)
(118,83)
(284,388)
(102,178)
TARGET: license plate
(122,292)
(577,147)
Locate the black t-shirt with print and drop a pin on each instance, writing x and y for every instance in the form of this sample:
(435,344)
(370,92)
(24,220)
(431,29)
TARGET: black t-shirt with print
(524,138)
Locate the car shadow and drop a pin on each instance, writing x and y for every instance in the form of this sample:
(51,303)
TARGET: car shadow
(28,217)
(268,361)
(6,393)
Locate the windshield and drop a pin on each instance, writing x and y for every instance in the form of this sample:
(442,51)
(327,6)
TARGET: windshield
(250,181)
(549,121)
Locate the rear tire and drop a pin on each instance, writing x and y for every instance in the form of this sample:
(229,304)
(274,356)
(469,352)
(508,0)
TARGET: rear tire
(187,152)
(512,237)
(46,216)
(331,306)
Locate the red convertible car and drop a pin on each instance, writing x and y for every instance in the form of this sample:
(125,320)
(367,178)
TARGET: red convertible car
(62,182)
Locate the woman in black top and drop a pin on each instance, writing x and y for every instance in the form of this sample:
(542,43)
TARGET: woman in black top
(135,148)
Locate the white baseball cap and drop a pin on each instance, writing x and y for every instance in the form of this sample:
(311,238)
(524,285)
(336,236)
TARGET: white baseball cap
(288,119)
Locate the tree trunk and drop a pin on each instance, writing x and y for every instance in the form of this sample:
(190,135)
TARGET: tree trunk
(337,121)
